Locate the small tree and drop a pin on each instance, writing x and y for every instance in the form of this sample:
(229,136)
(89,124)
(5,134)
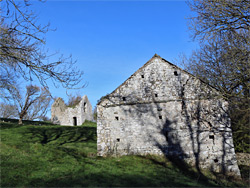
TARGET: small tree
(33,105)
(40,107)
(8,111)
(74,100)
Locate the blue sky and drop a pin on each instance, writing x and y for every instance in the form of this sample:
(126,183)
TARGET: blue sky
(112,39)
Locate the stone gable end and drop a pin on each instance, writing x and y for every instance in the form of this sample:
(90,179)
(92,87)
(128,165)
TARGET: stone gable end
(163,110)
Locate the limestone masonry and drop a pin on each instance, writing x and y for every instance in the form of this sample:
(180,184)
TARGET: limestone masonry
(163,110)
(63,115)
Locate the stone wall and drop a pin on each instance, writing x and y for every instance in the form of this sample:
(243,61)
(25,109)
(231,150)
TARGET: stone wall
(164,110)
(63,115)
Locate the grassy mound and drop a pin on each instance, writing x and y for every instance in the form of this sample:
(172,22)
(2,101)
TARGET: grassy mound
(38,154)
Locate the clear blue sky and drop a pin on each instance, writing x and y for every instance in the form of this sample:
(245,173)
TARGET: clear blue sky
(112,39)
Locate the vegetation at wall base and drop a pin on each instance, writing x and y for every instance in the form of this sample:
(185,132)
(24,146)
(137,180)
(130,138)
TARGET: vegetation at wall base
(38,154)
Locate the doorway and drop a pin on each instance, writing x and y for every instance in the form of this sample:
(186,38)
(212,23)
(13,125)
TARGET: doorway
(74,121)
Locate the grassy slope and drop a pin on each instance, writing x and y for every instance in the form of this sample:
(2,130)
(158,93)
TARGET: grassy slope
(61,156)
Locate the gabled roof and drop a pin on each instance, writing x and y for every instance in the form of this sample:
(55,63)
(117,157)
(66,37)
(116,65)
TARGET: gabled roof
(146,64)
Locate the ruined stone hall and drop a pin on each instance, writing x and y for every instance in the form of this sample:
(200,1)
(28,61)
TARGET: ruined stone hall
(164,110)
(63,115)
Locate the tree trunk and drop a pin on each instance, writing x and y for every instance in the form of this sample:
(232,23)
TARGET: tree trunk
(21,115)
(20,122)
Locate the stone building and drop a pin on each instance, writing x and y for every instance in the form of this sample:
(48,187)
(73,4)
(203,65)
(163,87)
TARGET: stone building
(76,115)
(164,110)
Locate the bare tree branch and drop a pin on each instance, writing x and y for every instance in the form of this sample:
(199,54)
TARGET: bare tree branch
(22,48)
(223,60)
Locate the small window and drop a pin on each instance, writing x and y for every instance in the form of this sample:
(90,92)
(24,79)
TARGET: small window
(160,117)
(156,95)
(124,98)
(118,139)
(211,136)
(117,118)
(159,109)
(167,136)
(216,160)
(142,76)
(84,109)
(175,73)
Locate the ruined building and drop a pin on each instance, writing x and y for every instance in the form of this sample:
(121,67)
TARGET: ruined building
(164,110)
(75,115)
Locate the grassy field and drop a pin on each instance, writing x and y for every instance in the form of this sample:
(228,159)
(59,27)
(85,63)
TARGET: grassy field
(38,154)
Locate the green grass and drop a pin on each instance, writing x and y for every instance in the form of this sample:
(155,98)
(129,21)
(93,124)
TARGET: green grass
(89,124)
(38,154)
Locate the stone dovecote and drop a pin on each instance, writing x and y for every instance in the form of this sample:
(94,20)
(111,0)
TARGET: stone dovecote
(63,115)
(164,110)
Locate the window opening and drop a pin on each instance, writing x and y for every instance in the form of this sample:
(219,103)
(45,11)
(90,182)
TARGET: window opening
(142,76)
(159,109)
(84,105)
(216,160)
(74,121)
(167,136)
(117,118)
(175,73)
(124,98)
(211,136)
(156,95)
(160,117)
(118,139)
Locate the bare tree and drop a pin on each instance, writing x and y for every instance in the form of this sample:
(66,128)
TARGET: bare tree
(21,49)
(40,107)
(224,65)
(223,60)
(74,100)
(33,105)
(7,81)
(8,110)
(226,71)
(44,118)
(219,16)
(225,56)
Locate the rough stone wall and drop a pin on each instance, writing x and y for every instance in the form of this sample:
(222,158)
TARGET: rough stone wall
(163,110)
(63,115)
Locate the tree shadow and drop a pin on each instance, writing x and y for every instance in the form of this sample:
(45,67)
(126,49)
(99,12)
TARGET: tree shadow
(104,177)
(6,123)
(62,135)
